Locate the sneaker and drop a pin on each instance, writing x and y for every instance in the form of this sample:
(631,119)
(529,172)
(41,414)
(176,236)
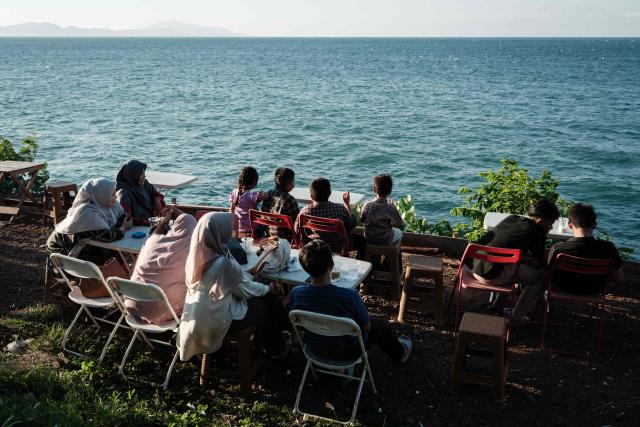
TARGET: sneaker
(408,345)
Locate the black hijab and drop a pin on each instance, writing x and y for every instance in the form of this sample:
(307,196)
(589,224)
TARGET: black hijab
(139,197)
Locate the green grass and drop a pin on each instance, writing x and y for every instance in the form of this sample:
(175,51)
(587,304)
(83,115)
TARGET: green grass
(84,393)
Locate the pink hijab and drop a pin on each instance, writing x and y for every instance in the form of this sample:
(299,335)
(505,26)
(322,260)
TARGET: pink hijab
(207,246)
(161,262)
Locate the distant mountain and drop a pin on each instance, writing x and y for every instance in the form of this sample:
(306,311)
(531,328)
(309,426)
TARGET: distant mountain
(161,29)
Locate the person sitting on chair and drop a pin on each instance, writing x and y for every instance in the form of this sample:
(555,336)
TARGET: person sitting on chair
(279,201)
(582,220)
(529,235)
(323,297)
(380,217)
(137,196)
(320,190)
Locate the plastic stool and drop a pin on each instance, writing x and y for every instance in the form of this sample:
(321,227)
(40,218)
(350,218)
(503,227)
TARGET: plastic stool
(246,367)
(422,267)
(58,195)
(489,332)
(393,277)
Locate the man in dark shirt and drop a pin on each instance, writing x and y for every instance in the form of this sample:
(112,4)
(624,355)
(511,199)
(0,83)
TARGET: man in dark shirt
(528,235)
(582,220)
(323,297)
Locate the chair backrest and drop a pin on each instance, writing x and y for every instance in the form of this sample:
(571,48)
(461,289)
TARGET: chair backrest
(144,292)
(269,219)
(324,324)
(574,264)
(324,225)
(492,254)
(76,267)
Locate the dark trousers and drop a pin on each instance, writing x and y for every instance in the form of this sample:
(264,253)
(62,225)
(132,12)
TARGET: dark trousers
(269,316)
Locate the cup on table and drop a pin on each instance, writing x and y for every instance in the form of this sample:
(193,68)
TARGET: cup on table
(153,221)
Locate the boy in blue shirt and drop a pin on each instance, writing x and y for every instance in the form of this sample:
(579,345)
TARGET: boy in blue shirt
(323,297)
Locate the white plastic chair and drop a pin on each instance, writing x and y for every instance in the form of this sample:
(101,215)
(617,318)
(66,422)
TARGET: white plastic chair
(144,292)
(86,270)
(330,326)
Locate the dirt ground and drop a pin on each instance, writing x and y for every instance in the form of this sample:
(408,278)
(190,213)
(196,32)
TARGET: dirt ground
(542,388)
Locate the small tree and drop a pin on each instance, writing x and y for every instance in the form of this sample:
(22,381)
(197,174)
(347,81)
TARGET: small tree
(509,189)
(27,153)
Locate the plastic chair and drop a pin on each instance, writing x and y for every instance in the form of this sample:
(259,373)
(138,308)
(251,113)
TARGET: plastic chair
(330,326)
(572,264)
(85,270)
(144,292)
(466,279)
(271,220)
(322,225)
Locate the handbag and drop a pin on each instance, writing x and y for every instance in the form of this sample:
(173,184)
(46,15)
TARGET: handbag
(278,258)
(93,288)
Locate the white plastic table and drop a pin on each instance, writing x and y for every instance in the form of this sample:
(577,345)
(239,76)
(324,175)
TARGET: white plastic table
(491,219)
(168,180)
(299,277)
(127,247)
(302,195)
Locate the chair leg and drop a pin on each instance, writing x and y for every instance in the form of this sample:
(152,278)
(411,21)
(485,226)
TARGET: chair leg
(458,302)
(499,373)
(601,327)
(204,369)
(296,408)
(544,321)
(126,353)
(355,404)
(368,369)
(113,333)
(90,316)
(68,331)
(244,364)
(173,362)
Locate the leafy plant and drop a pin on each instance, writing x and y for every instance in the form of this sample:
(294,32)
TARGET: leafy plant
(509,189)
(407,209)
(26,153)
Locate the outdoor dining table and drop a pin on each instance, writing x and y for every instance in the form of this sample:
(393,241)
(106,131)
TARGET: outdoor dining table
(303,195)
(165,181)
(14,169)
(127,247)
(352,271)
(559,231)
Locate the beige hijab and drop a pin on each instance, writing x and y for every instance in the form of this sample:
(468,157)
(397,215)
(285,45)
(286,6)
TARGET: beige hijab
(207,245)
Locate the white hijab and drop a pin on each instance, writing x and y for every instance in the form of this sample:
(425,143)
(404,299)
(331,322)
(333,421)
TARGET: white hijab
(90,209)
(207,245)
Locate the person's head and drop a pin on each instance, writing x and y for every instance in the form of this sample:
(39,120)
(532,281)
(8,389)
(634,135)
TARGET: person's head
(544,212)
(98,190)
(320,190)
(132,173)
(247,179)
(582,215)
(382,185)
(285,179)
(316,258)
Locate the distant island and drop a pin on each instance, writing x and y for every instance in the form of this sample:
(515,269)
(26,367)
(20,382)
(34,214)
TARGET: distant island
(161,29)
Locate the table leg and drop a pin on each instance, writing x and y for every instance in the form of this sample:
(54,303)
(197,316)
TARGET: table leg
(24,190)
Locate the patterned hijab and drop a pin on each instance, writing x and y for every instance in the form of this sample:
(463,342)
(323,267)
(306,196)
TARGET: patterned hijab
(90,210)
(207,246)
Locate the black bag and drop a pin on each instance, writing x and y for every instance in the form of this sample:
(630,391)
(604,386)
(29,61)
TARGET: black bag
(235,247)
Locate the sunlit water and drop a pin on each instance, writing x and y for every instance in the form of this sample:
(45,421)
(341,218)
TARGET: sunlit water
(432,112)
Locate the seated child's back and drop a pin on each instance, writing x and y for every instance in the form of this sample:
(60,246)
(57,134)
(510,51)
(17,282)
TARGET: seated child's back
(380,215)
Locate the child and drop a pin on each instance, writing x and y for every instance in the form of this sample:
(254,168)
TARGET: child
(380,216)
(323,297)
(279,200)
(242,200)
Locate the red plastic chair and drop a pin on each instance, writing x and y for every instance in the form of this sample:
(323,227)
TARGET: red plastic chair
(466,279)
(279,221)
(323,225)
(569,263)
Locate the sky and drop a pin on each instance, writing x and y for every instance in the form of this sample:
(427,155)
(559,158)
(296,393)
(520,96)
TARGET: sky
(347,18)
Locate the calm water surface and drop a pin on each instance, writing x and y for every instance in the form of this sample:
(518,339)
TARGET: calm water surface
(432,112)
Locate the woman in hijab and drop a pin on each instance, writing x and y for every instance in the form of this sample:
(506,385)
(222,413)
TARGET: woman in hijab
(95,214)
(220,297)
(136,195)
(161,262)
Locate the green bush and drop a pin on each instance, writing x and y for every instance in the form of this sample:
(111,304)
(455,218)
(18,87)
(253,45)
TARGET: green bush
(27,153)
(407,209)
(509,189)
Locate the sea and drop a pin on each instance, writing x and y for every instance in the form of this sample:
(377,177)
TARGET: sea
(432,112)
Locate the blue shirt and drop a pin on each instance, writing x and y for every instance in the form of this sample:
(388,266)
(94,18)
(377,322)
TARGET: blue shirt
(334,301)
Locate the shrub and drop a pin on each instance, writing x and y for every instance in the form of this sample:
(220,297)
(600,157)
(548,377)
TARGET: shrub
(27,153)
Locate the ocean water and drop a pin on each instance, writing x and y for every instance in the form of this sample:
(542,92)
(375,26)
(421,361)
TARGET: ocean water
(432,112)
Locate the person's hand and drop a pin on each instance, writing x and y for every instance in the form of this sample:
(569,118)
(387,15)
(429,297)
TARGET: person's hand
(346,197)
(126,224)
(157,206)
(175,212)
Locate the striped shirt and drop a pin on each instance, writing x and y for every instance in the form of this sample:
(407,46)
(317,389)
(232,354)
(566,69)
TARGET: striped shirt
(379,216)
(281,202)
